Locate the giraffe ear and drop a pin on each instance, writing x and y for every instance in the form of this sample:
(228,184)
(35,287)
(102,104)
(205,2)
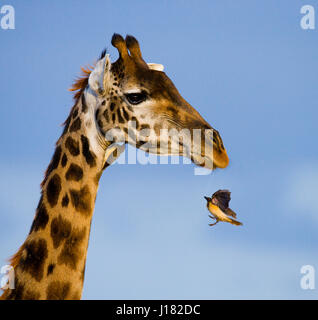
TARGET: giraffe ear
(155,66)
(99,77)
(106,74)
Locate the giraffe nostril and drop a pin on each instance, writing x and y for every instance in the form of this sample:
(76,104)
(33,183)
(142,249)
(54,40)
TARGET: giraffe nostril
(217,140)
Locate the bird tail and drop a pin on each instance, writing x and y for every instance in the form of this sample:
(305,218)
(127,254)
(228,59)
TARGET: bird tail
(237,223)
(230,212)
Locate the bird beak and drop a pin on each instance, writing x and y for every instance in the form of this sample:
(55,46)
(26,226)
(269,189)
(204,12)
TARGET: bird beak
(207,199)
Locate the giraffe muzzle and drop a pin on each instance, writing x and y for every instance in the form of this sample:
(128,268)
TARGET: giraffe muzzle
(209,152)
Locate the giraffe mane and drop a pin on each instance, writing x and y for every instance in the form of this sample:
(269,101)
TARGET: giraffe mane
(14,259)
(81,82)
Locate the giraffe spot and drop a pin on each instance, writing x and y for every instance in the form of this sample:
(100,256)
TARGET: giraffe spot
(81,200)
(58,290)
(129,107)
(60,230)
(84,105)
(125,113)
(103,102)
(114,117)
(89,156)
(112,107)
(56,159)
(76,125)
(41,218)
(140,143)
(75,113)
(106,115)
(97,112)
(144,130)
(120,118)
(64,160)
(115,153)
(53,190)
(144,126)
(74,173)
(53,164)
(159,146)
(66,125)
(72,250)
(50,268)
(72,146)
(134,119)
(34,258)
(100,123)
(65,200)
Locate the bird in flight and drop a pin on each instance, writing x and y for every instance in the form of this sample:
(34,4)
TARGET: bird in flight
(218,205)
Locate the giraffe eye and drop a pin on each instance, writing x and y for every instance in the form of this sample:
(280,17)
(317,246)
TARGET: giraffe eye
(136,98)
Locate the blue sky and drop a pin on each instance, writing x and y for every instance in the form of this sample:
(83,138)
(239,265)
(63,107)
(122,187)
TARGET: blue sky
(250,70)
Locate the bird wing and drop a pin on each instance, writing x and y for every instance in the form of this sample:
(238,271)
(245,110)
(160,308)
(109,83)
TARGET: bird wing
(223,198)
(230,212)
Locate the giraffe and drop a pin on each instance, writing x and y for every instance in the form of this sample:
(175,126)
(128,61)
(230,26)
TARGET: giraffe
(50,264)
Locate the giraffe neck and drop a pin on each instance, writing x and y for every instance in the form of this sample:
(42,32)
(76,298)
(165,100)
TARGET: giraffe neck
(51,262)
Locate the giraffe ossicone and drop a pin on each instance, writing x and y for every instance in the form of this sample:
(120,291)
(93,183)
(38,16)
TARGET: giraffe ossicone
(50,264)
(155,66)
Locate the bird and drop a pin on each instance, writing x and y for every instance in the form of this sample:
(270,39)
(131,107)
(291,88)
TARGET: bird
(218,205)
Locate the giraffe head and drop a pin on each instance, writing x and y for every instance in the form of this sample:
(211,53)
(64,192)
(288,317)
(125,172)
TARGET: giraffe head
(138,104)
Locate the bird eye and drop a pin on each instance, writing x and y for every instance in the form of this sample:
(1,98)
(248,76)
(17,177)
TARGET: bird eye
(136,98)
